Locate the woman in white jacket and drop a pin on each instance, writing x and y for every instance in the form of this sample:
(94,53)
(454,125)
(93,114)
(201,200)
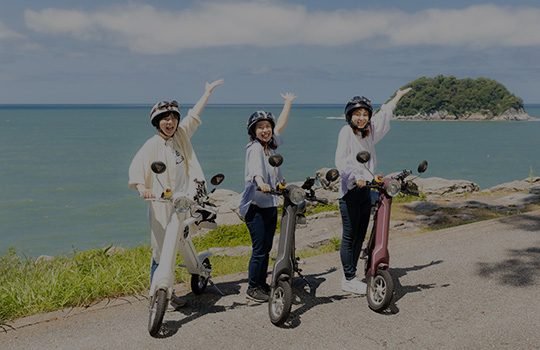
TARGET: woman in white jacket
(361,133)
(172,146)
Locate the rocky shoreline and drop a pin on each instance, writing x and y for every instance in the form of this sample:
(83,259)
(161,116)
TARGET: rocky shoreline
(447,202)
(508,115)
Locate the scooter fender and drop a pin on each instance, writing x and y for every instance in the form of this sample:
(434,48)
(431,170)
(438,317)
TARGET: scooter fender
(165,274)
(380,259)
(204,271)
(284,266)
(284,277)
(158,284)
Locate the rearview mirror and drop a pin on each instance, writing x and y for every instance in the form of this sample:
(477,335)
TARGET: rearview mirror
(275,160)
(158,167)
(332,175)
(363,157)
(217,179)
(422,167)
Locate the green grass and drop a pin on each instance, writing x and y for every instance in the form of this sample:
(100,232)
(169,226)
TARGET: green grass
(224,236)
(28,287)
(406,198)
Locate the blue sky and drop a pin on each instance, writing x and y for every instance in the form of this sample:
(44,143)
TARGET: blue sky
(116,51)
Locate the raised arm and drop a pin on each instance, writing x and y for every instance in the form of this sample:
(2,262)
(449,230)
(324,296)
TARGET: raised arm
(284,116)
(399,95)
(199,106)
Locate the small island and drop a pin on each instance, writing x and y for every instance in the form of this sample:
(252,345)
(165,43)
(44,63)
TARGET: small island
(448,98)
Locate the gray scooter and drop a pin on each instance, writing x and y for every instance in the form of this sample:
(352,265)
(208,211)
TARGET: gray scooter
(286,262)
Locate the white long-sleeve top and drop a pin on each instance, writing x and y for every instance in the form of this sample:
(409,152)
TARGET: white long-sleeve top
(182,169)
(350,144)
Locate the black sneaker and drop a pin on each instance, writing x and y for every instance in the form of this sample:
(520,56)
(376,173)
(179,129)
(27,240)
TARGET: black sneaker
(257,294)
(177,302)
(265,288)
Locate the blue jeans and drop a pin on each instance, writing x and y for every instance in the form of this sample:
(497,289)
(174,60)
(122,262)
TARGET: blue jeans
(355,209)
(153,268)
(261,223)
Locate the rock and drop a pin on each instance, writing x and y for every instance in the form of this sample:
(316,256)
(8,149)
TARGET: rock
(439,186)
(422,207)
(535,190)
(227,201)
(517,186)
(511,114)
(329,186)
(518,200)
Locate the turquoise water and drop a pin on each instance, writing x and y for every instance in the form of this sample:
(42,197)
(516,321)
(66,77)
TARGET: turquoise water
(64,168)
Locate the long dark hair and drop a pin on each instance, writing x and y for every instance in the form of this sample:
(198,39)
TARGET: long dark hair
(364,132)
(270,144)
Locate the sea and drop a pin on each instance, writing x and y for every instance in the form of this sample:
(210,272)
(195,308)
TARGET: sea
(64,168)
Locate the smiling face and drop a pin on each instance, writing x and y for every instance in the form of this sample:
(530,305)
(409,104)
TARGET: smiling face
(168,125)
(263,131)
(360,117)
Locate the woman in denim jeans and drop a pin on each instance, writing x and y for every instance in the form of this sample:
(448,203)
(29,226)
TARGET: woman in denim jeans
(258,208)
(361,133)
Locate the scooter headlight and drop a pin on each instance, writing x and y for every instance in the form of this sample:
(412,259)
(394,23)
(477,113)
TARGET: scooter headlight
(297,195)
(393,188)
(182,204)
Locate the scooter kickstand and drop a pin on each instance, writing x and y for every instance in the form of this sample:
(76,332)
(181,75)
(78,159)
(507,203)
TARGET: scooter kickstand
(213,285)
(299,272)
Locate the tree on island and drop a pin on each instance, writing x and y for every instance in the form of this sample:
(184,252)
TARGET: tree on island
(457,97)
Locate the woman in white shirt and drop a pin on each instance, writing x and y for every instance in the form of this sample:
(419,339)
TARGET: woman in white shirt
(172,146)
(361,133)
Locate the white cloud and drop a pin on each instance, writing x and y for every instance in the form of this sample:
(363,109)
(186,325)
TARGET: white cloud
(144,29)
(6,33)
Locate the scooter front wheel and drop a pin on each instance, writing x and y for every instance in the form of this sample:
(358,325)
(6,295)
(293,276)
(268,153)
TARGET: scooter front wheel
(280,302)
(157,311)
(198,282)
(380,290)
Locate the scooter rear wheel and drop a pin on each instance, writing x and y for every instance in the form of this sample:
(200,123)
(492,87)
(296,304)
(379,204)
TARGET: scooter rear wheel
(198,282)
(380,290)
(157,311)
(280,302)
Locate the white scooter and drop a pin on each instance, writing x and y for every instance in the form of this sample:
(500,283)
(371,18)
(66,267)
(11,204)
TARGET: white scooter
(187,217)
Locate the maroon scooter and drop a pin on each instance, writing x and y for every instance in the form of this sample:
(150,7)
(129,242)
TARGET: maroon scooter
(380,287)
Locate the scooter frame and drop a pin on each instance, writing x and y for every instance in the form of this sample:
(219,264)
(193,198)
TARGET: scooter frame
(183,222)
(286,262)
(380,285)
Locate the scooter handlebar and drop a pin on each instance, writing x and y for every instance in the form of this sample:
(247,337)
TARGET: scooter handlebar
(411,192)
(272,191)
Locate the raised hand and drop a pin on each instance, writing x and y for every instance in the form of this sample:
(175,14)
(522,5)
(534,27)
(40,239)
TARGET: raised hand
(211,86)
(288,97)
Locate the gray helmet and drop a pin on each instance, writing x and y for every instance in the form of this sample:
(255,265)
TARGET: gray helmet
(161,109)
(355,103)
(257,117)
(358,102)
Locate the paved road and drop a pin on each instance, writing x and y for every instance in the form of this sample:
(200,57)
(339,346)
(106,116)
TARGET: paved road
(470,287)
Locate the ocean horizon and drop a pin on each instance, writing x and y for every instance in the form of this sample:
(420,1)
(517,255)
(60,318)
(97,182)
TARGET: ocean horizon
(64,167)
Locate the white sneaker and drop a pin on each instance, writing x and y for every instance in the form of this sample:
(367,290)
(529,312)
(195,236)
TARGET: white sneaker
(353,286)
